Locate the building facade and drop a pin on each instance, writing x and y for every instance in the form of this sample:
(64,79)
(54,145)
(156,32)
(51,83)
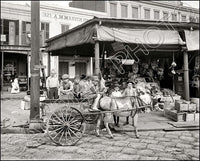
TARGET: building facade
(16,26)
(16,37)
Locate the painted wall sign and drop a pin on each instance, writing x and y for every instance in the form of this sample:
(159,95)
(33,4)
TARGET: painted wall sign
(63,17)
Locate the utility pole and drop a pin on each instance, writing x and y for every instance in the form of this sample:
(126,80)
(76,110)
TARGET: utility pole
(35,72)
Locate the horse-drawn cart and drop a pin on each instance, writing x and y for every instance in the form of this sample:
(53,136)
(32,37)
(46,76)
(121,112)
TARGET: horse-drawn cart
(66,119)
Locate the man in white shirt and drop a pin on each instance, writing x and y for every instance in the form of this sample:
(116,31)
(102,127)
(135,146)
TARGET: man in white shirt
(52,84)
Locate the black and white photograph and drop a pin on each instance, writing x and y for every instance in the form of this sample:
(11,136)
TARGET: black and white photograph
(100,80)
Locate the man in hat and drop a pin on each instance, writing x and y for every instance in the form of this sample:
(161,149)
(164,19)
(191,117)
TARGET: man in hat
(52,85)
(98,89)
(66,85)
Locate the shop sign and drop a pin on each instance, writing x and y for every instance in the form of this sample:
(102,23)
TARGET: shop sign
(63,17)
(3,38)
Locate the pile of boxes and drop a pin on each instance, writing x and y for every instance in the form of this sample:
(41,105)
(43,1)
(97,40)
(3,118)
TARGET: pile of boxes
(181,110)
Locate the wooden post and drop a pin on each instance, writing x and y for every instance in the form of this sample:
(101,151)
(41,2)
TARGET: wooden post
(97,69)
(186,76)
(49,63)
(2,64)
(35,73)
(2,58)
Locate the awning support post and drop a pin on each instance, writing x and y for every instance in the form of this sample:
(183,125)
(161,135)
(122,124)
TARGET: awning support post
(186,75)
(97,69)
(49,63)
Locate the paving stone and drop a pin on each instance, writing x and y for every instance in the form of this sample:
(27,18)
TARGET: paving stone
(171,136)
(130,151)
(163,139)
(86,151)
(167,143)
(134,140)
(148,158)
(67,149)
(156,133)
(145,152)
(127,157)
(165,154)
(182,157)
(109,143)
(173,150)
(149,141)
(121,143)
(196,135)
(98,146)
(165,158)
(192,152)
(137,145)
(96,140)
(85,145)
(144,133)
(187,138)
(180,145)
(156,147)
(113,149)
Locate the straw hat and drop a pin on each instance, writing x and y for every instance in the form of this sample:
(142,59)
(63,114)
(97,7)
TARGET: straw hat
(65,76)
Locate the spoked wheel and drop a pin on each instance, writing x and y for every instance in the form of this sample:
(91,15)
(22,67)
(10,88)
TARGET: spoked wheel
(66,126)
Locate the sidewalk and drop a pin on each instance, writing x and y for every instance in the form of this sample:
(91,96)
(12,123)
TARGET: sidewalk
(7,95)
(14,116)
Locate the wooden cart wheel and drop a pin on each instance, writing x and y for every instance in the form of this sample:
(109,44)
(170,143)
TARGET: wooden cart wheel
(66,126)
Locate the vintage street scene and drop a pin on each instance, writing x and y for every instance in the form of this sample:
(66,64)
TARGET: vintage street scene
(100,80)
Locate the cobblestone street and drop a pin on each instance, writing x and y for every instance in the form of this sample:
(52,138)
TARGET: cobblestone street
(152,145)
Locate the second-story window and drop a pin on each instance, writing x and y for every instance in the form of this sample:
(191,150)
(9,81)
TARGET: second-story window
(183,18)
(45,27)
(124,11)
(156,14)
(26,30)
(113,9)
(147,14)
(165,16)
(134,12)
(64,28)
(174,17)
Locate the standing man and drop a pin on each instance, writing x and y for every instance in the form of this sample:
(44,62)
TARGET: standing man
(52,84)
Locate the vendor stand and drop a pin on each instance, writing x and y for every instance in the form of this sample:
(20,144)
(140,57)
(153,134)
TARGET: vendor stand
(158,46)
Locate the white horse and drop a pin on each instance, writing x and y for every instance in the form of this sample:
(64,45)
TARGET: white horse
(122,107)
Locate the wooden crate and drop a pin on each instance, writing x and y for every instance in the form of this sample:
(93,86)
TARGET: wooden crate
(191,116)
(182,106)
(174,115)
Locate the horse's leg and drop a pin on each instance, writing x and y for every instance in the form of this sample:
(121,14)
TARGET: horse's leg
(134,123)
(106,122)
(98,126)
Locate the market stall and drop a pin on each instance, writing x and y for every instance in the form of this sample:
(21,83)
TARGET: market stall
(148,52)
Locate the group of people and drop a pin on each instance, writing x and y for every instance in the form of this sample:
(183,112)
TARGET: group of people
(89,87)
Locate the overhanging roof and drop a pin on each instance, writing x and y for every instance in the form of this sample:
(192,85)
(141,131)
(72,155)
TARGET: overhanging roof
(121,30)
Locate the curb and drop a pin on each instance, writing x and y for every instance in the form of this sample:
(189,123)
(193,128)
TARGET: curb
(92,127)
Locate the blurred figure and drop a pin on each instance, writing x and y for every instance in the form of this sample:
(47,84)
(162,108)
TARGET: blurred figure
(52,85)
(15,86)
(66,86)
(77,87)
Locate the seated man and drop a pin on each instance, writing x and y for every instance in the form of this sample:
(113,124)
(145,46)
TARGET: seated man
(15,86)
(66,86)
(98,89)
